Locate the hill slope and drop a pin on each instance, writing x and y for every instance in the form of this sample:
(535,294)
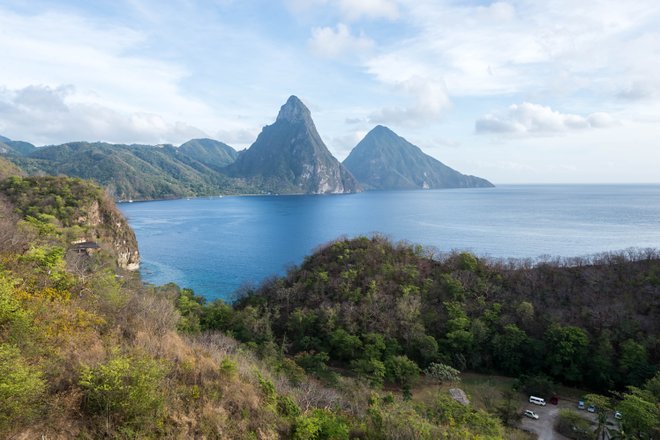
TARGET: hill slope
(290,157)
(383,160)
(8,146)
(211,153)
(365,301)
(138,171)
(88,351)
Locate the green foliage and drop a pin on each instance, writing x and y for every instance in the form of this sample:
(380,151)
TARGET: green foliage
(267,388)
(603,409)
(15,320)
(449,412)
(366,300)
(567,350)
(49,260)
(126,391)
(633,363)
(320,425)
(510,348)
(402,371)
(21,389)
(314,363)
(641,413)
(287,407)
(468,262)
(142,172)
(344,346)
(538,385)
(45,198)
(190,306)
(372,370)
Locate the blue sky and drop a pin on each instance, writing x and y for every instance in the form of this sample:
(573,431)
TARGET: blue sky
(556,91)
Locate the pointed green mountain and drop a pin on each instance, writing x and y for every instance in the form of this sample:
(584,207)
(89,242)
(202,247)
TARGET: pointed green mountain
(383,160)
(289,157)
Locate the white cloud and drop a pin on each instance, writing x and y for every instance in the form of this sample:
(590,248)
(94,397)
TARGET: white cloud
(332,43)
(42,115)
(351,10)
(529,118)
(356,9)
(428,99)
(344,144)
(238,138)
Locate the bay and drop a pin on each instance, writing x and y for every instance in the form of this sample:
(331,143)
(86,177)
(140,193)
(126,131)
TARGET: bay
(214,245)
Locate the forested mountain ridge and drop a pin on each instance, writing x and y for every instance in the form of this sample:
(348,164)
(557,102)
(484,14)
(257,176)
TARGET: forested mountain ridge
(384,161)
(141,172)
(592,323)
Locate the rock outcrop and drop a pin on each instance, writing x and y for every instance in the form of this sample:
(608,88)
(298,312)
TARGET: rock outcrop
(289,157)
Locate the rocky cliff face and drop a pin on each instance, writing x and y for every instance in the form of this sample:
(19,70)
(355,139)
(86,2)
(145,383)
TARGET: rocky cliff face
(111,228)
(76,214)
(384,160)
(289,157)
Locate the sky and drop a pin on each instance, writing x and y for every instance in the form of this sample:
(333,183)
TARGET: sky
(556,91)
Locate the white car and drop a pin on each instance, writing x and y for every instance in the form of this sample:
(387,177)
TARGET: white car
(531,414)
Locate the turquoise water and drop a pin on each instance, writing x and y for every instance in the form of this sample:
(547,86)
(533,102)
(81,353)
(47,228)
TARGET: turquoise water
(214,245)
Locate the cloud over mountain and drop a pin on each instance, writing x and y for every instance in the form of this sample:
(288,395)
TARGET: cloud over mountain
(45,115)
(529,118)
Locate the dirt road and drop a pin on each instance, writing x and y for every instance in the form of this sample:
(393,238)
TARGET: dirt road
(544,426)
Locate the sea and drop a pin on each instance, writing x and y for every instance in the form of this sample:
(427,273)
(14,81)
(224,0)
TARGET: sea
(219,245)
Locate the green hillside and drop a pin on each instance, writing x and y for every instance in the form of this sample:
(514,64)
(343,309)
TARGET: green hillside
(363,302)
(211,153)
(87,351)
(133,171)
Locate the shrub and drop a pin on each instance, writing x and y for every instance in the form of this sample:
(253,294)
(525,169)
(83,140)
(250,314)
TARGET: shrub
(321,425)
(402,371)
(372,370)
(21,388)
(125,390)
(442,373)
(15,321)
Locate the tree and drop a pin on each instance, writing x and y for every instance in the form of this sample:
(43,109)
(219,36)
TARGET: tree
(641,413)
(633,363)
(21,388)
(126,391)
(509,349)
(603,408)
(403,372)
(566,352)
(344,346)
(509,409)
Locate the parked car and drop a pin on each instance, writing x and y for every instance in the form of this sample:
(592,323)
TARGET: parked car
(591,408)
(531,414)
(581,404)
(537,400)
(618,415)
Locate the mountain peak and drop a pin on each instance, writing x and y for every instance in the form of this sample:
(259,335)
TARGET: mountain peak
(385,160)
(381,130)
(294,111)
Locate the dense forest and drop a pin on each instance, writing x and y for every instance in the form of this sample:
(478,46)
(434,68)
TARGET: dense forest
(332,350)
